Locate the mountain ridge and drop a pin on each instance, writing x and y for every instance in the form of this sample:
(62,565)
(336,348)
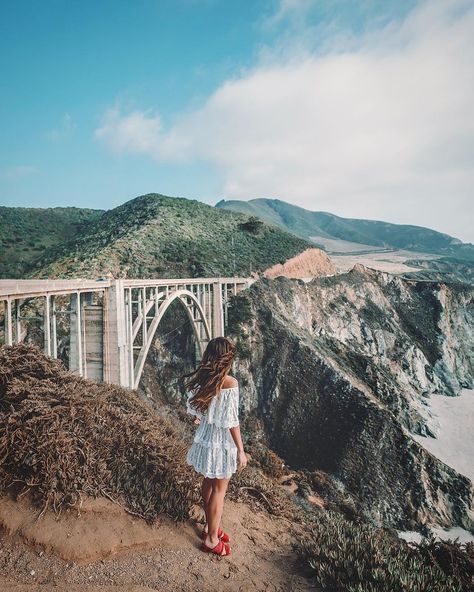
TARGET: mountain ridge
(59,241)
(154,235)
(316,225)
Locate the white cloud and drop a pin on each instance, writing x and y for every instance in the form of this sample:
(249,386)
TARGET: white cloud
(287,9)
(19,172)
(136,132)
(64,129)
(381,129)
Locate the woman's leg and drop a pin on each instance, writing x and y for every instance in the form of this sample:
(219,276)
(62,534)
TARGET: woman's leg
(206,491)
(215,508)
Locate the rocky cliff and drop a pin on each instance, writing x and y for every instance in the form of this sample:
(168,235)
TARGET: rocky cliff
(336,372)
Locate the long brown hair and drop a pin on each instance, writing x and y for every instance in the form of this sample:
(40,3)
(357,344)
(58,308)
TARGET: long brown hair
(209,376)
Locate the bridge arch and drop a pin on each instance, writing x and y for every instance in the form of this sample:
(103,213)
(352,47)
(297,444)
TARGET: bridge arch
(189,301)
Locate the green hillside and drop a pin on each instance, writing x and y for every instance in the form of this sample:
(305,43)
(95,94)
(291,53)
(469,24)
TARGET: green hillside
(159,236)
(310,225)
(26,233)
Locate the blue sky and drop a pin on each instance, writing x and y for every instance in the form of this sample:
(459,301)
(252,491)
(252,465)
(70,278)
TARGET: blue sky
(104,101)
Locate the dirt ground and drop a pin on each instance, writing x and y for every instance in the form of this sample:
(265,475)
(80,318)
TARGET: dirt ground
(108,550)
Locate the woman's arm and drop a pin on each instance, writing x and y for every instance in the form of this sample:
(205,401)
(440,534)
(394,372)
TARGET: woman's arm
(235,433)
(191,410)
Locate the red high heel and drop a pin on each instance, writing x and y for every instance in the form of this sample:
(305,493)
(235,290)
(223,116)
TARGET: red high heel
(218,549)
(220,533)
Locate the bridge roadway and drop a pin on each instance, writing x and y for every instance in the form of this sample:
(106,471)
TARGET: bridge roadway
(112,322)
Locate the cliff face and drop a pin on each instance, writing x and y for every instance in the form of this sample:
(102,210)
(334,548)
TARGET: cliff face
(336,372)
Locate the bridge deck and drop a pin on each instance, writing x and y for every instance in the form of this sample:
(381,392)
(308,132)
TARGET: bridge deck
(32,288)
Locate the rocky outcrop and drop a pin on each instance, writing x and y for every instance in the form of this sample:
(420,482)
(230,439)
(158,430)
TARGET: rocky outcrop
(335,373)
(309,263)
(441,270)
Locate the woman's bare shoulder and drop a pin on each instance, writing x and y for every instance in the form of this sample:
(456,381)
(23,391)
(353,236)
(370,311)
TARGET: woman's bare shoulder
(230,382)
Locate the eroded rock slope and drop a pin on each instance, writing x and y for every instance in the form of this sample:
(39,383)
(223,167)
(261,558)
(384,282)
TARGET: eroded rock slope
(336,372)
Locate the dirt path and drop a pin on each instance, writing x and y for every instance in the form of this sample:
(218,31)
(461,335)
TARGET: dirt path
(133,557)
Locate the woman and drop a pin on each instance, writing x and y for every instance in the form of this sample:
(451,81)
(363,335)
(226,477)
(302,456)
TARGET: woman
(214,400)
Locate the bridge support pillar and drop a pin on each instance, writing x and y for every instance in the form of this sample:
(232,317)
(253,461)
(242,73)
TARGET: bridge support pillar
(8,322)
(75,335)
(93,342)
(47,325)
(217,312)
(116,358)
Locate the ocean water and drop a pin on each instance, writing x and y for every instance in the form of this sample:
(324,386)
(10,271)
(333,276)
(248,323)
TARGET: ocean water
(455,442)
(454,446)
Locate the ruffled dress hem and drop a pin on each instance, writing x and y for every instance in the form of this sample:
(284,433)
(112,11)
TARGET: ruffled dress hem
(211,475)
(214,452)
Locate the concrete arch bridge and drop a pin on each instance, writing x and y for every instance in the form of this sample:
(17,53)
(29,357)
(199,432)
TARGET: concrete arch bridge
(112,323)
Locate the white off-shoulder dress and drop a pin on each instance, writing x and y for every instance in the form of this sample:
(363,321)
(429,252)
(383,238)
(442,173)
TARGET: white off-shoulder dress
(214,452)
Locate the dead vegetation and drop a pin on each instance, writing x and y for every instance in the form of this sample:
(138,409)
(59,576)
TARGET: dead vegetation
(254,488)
(63,437)
(270,463)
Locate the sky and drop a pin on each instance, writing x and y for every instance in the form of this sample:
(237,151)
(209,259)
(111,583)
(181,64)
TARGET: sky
(360,108)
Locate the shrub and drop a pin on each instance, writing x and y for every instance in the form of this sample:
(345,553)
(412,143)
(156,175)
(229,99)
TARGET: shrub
(252,225)
(62,437)
(361,558)
(269,461)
